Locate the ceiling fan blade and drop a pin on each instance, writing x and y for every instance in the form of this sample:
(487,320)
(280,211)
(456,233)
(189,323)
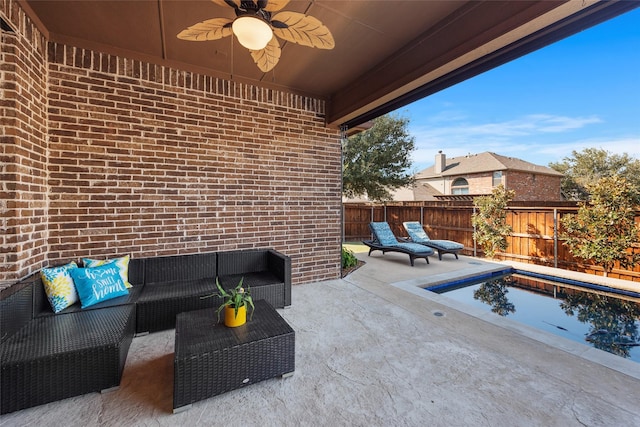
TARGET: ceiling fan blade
(231,3)
(211,29)
(275,5)
(302,29)
(268,57)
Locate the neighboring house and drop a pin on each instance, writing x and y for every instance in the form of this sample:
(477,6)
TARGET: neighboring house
(461,178)
(398,195)
(477,174)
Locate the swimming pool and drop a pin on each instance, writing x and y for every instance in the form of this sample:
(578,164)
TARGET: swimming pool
(595,315)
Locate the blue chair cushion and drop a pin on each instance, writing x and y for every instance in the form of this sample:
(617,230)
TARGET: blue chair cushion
(446,245)
(418,235)
(415,247)
(385,237)
(416,232)
(383,233)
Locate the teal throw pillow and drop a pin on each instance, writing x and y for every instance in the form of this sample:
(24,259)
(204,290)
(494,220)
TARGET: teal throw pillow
(122,263)
(98,284)
(59,287)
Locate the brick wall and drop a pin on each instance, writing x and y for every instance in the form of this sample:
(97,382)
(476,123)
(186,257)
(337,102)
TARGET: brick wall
(481,183)
(534,187)
(23,151)
(149,160)
(528,186)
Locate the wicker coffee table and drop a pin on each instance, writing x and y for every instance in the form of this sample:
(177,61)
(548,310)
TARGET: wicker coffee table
(211,359)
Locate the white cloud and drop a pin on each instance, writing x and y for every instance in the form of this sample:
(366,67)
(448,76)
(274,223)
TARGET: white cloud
(538,138)
(625,144)
(548,123)
(524,126)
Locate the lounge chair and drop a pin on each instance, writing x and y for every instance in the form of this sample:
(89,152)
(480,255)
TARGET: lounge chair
(384,240)
(418,235)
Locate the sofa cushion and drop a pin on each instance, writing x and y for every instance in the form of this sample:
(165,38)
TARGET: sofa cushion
(130,298)
(59,286)
(98,284)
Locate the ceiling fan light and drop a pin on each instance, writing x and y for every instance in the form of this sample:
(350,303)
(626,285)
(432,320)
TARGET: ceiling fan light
(252,33)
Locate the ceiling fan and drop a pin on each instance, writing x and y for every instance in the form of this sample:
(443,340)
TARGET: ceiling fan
(256,28)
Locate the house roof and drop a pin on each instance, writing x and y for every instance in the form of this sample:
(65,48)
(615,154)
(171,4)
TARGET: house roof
(425,192)
(387,53)
(484,162)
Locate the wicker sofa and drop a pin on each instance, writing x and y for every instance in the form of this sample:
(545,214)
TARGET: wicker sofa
(175,284)
(46,357)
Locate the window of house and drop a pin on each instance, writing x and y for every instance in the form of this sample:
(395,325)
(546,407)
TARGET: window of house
(460,186)
(497,178)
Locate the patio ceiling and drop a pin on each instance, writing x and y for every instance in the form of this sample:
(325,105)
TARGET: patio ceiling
(387,53)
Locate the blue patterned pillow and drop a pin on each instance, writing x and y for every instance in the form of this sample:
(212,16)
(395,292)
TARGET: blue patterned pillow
(98,284)
(122,263)
(59,287)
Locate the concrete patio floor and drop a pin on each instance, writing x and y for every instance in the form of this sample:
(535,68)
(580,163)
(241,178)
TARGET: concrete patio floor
(373,349)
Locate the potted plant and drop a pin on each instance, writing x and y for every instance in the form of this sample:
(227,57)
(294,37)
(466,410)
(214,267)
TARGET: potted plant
(235,304)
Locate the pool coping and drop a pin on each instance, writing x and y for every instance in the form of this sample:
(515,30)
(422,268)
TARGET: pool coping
(417,286)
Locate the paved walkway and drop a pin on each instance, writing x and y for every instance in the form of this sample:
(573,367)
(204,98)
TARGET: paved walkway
(372,350)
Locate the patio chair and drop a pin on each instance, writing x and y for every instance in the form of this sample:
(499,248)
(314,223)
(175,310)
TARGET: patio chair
(418,235)
(384,240)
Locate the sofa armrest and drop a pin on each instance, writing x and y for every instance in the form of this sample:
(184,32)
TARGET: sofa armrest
(254,265)
(16,307)
(280,265)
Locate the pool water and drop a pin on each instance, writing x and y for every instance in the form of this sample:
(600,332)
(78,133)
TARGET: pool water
(601,319)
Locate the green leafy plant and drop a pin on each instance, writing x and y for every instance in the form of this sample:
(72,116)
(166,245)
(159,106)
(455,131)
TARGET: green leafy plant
(490,220)
(589,165)
(235,298)
(348,258)
(604,228)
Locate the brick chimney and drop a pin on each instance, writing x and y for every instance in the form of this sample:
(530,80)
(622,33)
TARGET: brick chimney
(441,162)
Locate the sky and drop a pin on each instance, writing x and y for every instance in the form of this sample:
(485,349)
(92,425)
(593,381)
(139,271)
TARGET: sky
(581,92)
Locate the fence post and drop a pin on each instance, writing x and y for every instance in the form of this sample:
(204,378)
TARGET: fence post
(555,237)
(343,137)
(475,247)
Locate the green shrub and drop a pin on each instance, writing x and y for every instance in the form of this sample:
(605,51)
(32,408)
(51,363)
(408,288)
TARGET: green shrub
(490,220)
(348,258)
(604,229)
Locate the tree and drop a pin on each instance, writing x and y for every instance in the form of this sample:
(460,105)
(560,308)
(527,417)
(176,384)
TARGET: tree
(612,321)
(490,220)
(494,293)
(604,229)
(588,166)
(378,159)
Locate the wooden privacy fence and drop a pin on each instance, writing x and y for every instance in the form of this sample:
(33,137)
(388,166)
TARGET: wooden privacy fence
(535,238)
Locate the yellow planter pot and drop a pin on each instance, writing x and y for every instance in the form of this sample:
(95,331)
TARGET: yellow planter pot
(230,318)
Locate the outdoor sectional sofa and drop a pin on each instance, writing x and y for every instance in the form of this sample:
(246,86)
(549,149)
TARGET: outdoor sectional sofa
(46,357)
